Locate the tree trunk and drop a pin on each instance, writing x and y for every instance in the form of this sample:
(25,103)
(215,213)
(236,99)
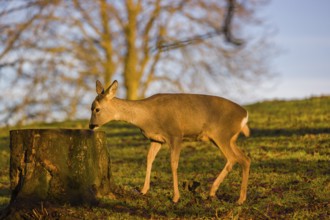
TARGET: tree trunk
(131,75)
(132,87)
(59,166)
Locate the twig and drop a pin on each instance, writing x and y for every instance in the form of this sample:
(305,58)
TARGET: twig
(226,30)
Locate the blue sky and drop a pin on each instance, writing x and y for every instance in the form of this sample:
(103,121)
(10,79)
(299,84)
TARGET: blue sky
(303,35)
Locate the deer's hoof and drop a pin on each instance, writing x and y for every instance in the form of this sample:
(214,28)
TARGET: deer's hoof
(240,201)
(176,199)
(212,198)
(144,191)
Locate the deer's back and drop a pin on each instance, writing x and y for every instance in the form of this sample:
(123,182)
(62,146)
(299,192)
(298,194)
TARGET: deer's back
(193,114)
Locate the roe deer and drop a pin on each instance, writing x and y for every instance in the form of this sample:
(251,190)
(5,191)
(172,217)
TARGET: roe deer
(167,118)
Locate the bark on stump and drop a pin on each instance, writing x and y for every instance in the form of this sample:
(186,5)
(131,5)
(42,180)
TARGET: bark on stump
(58,166)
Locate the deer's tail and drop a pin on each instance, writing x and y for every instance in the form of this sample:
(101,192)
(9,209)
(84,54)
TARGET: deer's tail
(244,127)
(246,130)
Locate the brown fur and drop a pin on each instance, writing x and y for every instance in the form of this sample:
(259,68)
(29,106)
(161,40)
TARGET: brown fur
(167,118)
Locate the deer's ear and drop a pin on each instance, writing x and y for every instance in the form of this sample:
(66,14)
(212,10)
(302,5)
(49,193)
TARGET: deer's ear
(99,88)
(112,90)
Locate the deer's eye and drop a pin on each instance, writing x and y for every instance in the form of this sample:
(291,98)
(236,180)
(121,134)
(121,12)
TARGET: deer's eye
(97,110)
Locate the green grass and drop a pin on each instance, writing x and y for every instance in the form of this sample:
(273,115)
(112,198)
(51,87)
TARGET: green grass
(289,178)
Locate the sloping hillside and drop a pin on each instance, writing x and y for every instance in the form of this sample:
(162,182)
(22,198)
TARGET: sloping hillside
(290,178)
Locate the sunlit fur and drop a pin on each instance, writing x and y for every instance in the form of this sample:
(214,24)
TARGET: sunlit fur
(167,118)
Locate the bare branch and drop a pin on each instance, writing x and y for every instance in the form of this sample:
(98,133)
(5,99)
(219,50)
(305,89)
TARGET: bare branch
(15,36)
(227,25)
(226,30)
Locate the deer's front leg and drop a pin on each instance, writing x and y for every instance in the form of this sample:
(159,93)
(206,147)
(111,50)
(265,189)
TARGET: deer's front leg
(154,149)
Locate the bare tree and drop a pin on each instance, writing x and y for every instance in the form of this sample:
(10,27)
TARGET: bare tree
(52,50)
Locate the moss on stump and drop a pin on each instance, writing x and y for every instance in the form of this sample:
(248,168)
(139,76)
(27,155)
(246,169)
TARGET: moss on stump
(59,166)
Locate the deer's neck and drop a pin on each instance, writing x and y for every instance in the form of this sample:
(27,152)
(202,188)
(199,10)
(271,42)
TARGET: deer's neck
(129,111)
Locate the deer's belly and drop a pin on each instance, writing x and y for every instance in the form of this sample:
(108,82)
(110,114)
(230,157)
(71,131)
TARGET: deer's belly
(154,136)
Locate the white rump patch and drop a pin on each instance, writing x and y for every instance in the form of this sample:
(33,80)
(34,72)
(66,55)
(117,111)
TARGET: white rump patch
(245,120)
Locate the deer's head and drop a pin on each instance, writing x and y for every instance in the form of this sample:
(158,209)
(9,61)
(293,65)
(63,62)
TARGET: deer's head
(102,110)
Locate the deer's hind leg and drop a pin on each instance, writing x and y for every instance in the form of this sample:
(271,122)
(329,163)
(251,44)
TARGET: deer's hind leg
(224,146)
(245,162)
(233,155)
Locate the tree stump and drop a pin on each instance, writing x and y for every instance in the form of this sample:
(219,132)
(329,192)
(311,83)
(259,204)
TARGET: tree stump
(60,166)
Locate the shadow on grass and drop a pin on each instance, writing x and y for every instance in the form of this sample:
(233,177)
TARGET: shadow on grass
(122,203)
(125,134)
(161,206)
(256,132)
(4,143)
(287,166)
(5,195)
(5,192)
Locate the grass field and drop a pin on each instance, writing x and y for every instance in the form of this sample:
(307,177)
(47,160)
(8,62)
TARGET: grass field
(289,178)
